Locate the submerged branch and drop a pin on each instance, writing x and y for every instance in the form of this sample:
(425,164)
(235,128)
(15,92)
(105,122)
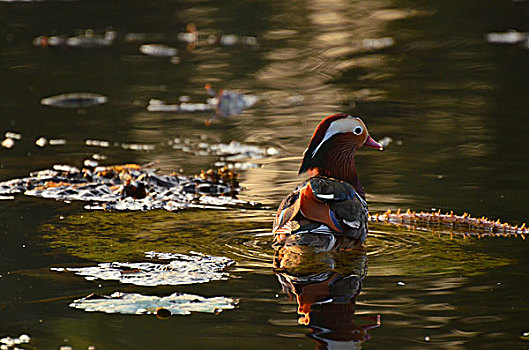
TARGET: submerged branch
(451,223)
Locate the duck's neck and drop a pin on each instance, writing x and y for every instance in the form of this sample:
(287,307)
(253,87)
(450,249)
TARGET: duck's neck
(340,164)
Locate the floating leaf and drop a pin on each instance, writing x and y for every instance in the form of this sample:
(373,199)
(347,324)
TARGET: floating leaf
(182,269)
(130,187)
(8,143)
(86,39)
(510,37)
(138,304)
(158,50)
(13,343)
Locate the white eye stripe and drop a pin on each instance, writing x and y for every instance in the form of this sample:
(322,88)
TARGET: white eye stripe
(348,124)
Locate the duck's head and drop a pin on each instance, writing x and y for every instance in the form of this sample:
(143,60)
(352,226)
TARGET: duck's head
(333,145)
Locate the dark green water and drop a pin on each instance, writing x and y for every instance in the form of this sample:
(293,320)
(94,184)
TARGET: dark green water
(455,106)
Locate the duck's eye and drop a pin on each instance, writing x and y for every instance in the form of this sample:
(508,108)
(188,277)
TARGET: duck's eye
(358,130)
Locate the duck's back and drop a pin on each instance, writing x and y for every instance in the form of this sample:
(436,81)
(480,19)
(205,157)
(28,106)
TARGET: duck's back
(322,205)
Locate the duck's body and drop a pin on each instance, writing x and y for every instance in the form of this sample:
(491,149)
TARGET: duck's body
(331,204)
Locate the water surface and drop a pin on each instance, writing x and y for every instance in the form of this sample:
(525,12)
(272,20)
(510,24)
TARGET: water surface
(454,105)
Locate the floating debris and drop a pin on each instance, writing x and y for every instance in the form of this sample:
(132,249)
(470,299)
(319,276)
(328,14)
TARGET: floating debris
(511,37)
(137,147)
(49,41)
(12,343)
(385,141)
(233,39)
(85,39)
(181,269)
(225,103)
(97,143)
(74,100)
(234,155)
(89,39)
(228,39)
(57,142)
(8,143)
(41,141)
(158,50)
(155,105)
(131,187)
(238,165)
(160,106)
(162,307)
(98,156)
(12,135)
(191,37)
(137,37)
(235,151)
(66,168)
(90,163)
(378,44)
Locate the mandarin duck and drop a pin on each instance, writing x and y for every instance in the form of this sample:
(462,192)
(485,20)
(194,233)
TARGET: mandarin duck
(228,103)
(331,204)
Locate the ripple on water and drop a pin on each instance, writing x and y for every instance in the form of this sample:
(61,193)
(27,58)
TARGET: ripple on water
(125,236)
(391,248)
(481,319)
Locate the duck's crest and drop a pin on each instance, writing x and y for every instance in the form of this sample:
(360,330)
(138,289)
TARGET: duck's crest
(312,158)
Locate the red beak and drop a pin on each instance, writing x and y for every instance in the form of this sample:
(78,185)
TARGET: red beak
(372,143)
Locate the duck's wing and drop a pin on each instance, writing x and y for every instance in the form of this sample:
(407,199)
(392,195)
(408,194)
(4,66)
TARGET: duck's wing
(286,212)
(327,201)
(347,210)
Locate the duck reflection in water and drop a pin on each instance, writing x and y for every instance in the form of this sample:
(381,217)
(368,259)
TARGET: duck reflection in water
(325,286)
(319,231)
